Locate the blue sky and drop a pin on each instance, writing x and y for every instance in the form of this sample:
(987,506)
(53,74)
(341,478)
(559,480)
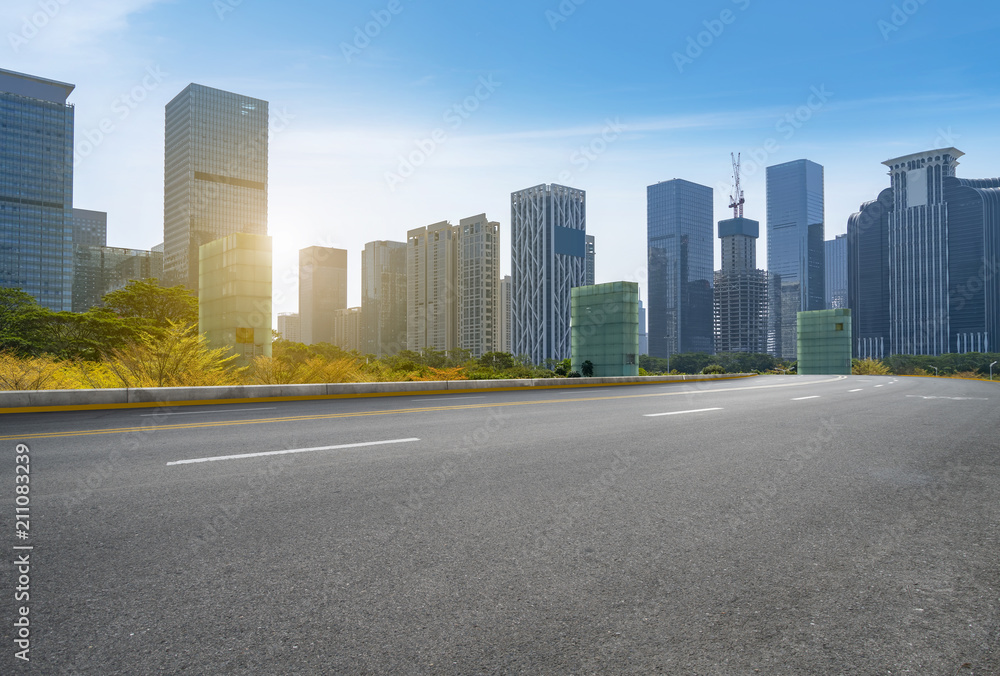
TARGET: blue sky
(488,98)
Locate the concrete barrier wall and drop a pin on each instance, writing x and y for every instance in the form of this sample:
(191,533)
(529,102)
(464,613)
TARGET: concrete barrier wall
(35,400)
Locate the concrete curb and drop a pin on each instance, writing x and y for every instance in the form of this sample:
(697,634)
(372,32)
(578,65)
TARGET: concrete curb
(34,401)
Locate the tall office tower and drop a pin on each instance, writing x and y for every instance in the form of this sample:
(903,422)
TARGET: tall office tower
(795,251)
(479,285)
(383,297)
(943,246)
(215,174)
(548,246)
(740,290)
(36,188)
(432,287)
(868,277)
(835,264)
(347,329)
(505,289)
(973,264)
(322,291)
(643,336)
(90,228)
(289,326)
(591,276)
(679,237)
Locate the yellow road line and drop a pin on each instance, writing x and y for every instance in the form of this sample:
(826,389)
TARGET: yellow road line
(359,414)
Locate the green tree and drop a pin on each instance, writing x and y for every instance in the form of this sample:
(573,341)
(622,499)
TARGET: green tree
(89,335)
(22,322)
(497,361)
(158,305)
(587,369)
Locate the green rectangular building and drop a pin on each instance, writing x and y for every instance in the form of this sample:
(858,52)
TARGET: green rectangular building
(824,342)
(234,293)
(604,328)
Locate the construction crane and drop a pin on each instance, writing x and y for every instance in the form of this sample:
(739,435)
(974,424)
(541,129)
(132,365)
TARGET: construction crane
(736,201)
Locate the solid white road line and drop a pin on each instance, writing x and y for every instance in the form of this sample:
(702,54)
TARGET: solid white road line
(697,410)
(294,450)
(815,396)
(231,410)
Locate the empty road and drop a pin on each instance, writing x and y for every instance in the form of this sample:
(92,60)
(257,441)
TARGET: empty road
(770,525)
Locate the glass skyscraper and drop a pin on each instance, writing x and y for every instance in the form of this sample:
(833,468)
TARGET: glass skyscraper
(868,277)
(924,261)
(548,245)
(973,263)
(836,272)
(36,188)
(679,234)
(795,249)
(215,174)
(383,298)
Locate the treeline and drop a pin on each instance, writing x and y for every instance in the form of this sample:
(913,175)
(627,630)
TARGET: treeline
(698,362)
(143,308)
(145,335)
(968,364)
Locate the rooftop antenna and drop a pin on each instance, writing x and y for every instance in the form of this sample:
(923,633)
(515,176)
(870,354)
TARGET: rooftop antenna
(736,201)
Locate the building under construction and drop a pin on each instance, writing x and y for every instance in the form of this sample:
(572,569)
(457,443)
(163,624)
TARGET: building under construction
(740,294)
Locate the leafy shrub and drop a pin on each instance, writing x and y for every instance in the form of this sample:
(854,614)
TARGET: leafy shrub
(869,367)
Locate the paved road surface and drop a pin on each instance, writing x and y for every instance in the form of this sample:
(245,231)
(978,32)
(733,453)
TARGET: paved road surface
(775,525)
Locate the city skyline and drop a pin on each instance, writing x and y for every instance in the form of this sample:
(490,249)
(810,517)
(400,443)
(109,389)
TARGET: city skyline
(346,108)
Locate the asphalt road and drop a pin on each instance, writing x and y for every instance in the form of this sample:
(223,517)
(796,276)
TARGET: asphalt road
(774,525)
